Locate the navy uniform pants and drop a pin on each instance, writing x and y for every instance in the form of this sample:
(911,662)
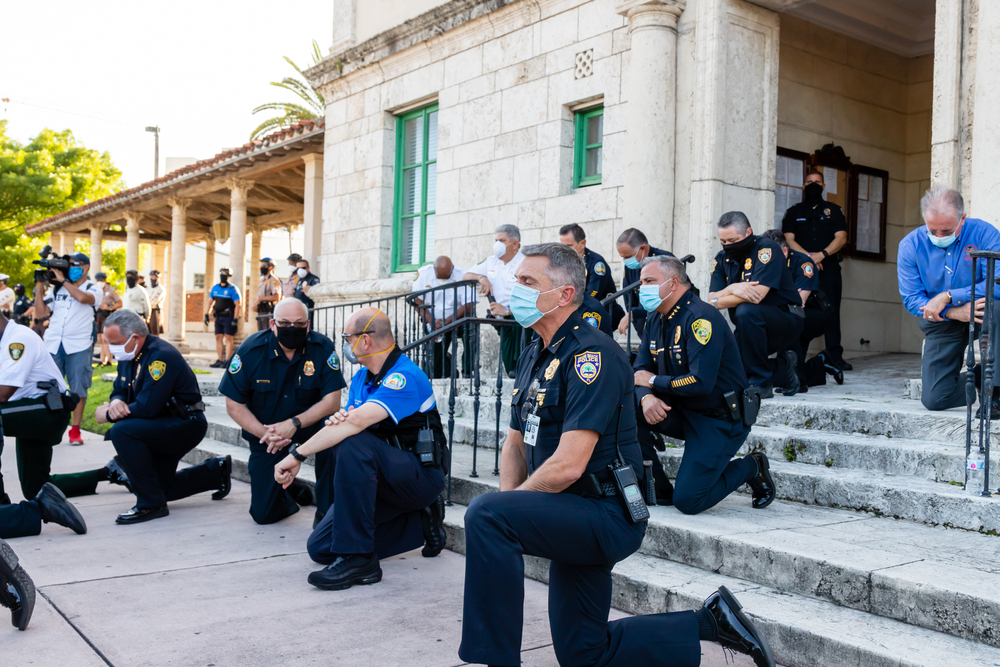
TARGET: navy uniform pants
(942,379)
(831,281)
(269,503)
(708,471)
(378,493)
(584,538)
(762,330)
(149,451)
(815,325)
(20,519)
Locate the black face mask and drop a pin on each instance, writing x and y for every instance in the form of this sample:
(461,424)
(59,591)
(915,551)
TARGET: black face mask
(740,248)
(812,193)
(130,282)
(292,338)
(263,270)
(154,281)
(224,280)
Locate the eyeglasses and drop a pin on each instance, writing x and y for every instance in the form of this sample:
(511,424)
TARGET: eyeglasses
(347,337)
(284,324)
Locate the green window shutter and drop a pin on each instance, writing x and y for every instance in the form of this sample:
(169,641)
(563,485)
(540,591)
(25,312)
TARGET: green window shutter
(415,189)
(588,150)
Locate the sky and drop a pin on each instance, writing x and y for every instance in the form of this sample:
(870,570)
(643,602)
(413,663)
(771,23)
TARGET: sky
(108,69)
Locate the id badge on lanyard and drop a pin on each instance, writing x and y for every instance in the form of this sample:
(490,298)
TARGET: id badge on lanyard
(532,421)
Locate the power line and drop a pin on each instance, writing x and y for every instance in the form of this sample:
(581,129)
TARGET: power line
(7,100)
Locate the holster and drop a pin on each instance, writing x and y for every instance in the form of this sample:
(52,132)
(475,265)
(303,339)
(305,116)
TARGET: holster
(751,405)
(56,400)
(819,300)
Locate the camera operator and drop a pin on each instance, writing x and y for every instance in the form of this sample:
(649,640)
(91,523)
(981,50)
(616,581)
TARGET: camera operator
(69,338)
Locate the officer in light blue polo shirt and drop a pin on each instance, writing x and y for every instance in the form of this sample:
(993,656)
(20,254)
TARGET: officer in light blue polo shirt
(935,276)
(388,455)
(224,300)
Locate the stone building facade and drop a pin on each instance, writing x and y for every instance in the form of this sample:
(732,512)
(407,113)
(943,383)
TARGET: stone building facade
(447,119)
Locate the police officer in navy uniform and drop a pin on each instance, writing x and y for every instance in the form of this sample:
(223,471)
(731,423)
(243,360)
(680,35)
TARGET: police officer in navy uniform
(596,315)
(389,452)
(158,417)
(818,228)
(572,416)
(633,247)
(600,283)
(749,279)
(280,386)
(21,305)
(690,386)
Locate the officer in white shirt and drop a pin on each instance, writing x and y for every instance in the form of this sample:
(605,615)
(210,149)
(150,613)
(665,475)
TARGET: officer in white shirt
(442,307)
(156,295)
(135,298)
(35,410)
(70,336)
(496,279)
(7,295)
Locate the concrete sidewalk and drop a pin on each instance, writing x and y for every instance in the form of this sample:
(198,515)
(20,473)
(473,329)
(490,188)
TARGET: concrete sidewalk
(207,586)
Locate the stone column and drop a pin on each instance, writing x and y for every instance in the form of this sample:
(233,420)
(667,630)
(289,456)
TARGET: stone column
(58,241)
(344,24)
(96,241)
(132,219)
(946,114)
(650,114)
(238,231)
(985,189)
(312,210)
(250,323)
(209,269)
(178,239)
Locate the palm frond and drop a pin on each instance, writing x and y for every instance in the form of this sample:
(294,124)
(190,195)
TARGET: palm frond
(288,108)
(291,113)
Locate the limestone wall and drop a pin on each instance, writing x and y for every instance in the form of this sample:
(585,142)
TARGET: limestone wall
(877,105)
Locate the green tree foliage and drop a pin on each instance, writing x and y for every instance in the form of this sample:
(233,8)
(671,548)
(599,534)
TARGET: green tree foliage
(293,112)
(50,174)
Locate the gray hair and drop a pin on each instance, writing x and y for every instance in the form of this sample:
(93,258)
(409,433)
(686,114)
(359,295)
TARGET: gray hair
(511,231)
(633,238)
(129,323)
(565,267)
(670,266)
(287,303)
(942,201)
(736,219)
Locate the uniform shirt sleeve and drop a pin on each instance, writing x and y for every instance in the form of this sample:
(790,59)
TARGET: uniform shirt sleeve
(788,222)
(333,378)
(769,274)
(120,388)
(480,269)
(154,394)
(594,279)
(988,240)
(235,382)
(15,373)
(719,279)
(236,293)
(400,398)
(312,280)
(422,281)
(837,219)
(704,359)
(586,406)
(911,287)
(805,274)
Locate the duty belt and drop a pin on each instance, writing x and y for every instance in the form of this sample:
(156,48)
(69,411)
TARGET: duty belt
(592,486)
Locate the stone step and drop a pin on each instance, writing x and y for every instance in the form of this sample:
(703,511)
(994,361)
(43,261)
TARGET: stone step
(893,569)
(802,631)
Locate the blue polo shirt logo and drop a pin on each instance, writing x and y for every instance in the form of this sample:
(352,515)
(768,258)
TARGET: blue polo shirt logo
(394,381)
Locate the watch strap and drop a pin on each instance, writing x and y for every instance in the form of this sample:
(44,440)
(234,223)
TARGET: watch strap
(825,253)
(297,423)
(294,453)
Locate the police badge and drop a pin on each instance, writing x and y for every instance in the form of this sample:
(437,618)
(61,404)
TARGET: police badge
(309,369)
(550,372)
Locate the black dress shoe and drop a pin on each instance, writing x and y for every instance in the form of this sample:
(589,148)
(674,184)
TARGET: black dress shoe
(301,493)
(317,517)
(138,515)
(432,521)
(56,509)
(17,591)
(117,475)
(347,571)
(790,383)
(736,632)
(766,391)
(994,409)
(226,485)
(842,365)
(830,367)
(763,484)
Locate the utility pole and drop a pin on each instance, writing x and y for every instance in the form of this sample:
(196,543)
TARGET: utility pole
(156,158)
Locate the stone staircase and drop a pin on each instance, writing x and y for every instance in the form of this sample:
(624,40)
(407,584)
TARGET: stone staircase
(873,555)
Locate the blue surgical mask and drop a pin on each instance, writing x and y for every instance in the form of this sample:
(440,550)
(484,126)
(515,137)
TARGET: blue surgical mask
(631,262)
(75,273)
(942,242)
(522,304)
(649,296)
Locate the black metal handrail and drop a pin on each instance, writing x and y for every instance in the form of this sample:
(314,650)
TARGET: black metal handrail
(987,357)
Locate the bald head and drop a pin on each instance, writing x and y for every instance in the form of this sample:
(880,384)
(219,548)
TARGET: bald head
(443,267)
(290,309)
(371,321)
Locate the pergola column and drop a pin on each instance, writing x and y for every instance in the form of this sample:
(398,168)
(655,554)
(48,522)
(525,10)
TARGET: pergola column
(132,220)
(178,239)
(312,210)
(209,268)
(96,239)
(256,234)
(238,230)
(652,96)
(58,241)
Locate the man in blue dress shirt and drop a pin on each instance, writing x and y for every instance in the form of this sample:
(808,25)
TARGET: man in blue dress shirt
(935,276)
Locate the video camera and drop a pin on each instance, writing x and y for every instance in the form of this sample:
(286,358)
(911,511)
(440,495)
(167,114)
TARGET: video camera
(50,261)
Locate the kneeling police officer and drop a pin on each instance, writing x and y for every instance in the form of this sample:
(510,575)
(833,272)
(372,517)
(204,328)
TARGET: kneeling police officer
(388,449)
(158,417)
(569,493)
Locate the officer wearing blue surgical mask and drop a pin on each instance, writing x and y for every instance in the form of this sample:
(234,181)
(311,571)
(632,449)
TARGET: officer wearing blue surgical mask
(935,275)
(633,247)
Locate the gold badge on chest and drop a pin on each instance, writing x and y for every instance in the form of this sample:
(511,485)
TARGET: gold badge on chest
(308,368)
(747,264)
(550,372)
(677,334)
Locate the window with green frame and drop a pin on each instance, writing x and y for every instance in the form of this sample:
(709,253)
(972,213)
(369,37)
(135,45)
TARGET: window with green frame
(588,152)
(415,196)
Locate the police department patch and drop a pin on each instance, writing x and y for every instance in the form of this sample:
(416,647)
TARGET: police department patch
(715,263)
(334,361)
(593,319)
(309,369)
(808,270)
(599,268)
(588,366)
(764,255)
(157,369)
(16,350)
(394,381)
(235,365)
(702,331)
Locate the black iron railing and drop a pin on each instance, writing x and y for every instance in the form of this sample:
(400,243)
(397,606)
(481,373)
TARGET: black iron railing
(987,357)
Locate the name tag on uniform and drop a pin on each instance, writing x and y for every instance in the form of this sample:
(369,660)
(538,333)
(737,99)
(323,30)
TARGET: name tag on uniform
(531,429)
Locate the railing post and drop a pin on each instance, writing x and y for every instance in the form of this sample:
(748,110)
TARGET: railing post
(499,403)
(987,360)
(970,379)
(451,416)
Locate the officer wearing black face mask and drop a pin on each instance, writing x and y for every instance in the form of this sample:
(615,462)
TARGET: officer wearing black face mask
(818,228)
(279,387)
(21,305)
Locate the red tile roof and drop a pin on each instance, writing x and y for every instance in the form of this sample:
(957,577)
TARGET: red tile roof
(284,136)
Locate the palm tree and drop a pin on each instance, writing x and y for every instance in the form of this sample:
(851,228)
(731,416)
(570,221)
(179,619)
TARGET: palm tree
(315,106)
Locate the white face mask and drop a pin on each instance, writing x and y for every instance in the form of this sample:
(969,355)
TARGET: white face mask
(119,350)
(499,249)
(302,273)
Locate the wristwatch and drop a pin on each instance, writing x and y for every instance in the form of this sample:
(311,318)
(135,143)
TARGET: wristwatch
(825,253)
(651,379)
(715,303)
(294,453)
(297,423)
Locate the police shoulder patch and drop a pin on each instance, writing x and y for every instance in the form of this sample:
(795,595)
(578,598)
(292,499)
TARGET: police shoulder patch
(600,269)
(807,269)
(394,381)
(702,331)
(764,255)
(16,350)
(157,369)
(715,263)
(588,366)
(235,365)
(334,361)
(593,319)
